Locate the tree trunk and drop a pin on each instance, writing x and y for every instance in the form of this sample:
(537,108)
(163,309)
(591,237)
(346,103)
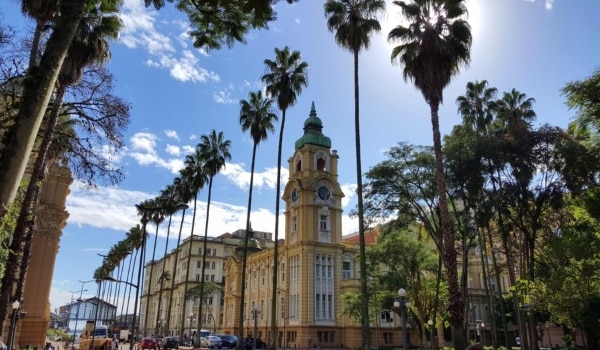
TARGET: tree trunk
(150,279)
(173,284)
(187,271)
(210,182)
(162,274)
(455,307)
(276,247)
(37,91)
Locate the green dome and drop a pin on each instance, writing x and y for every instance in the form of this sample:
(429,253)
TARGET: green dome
(313,134)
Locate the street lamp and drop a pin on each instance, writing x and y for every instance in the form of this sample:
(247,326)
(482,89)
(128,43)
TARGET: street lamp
(430,323)
(482,326)
(78,305)
(133,318)
(160,324)
(16,308)
(191,317)
(255,313)
(145,210)
(403,304)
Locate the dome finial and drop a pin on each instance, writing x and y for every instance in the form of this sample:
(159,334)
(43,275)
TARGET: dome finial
(313,112)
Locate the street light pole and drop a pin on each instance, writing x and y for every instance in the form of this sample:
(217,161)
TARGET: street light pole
(403,304)
(482,325)
(78,306)
(255,312)
(191,317)
(14,317)
(112,279)
(430,323)
(160,324)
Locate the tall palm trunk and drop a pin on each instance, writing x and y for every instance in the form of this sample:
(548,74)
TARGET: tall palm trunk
(37,91)
(210,183)
(126,287)
(276,247)
(455,306)
(240,330)
(187,271)
(174,271)
(164,264)
(364,313)
(150,277)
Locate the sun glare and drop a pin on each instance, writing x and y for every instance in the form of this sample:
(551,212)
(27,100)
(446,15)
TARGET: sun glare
(474,16)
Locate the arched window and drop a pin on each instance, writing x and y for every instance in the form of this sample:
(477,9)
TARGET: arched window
(298,163)
(321,161)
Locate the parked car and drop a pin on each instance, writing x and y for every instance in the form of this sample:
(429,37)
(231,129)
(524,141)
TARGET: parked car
(228,341)
(169,343)
(248,342)
(211,342)
(149,343)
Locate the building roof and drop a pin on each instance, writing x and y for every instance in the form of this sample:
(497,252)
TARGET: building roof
(313,131)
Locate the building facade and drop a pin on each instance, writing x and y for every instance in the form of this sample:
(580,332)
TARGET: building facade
(78,314)
(315,265)
(164,308)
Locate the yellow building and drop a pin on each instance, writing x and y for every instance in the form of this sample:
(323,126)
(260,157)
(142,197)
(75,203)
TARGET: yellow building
(315,266)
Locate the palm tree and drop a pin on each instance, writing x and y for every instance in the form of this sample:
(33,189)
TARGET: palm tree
(353,22)
(157,217)
(89,47)
(434,43)
(257,116)
(285,78)
(214,151)
(195,177)
(477,106)
(34,101)
(176,193)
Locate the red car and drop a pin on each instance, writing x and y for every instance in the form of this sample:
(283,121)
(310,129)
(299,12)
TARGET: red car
(149,343)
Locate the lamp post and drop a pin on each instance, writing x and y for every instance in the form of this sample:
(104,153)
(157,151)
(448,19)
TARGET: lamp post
(255,313)
(482,327)
(430,324)
(403,304)
(14,317)
(160,324)
(191,317)
(112,279)
(78,305)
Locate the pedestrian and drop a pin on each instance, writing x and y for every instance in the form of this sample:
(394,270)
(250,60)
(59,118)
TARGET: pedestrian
(115,344)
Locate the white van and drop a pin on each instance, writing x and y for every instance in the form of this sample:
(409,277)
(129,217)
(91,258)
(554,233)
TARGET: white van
(100,332)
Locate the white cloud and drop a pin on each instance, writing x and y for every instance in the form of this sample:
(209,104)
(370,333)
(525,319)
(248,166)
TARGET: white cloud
(172,134)
(140,30)
(224,97)
(143,151)
(265,179)
(547,3)
(144,142)
(173,150)
(188,149)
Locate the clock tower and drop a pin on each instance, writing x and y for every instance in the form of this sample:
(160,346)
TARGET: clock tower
(315,267)
(312,195)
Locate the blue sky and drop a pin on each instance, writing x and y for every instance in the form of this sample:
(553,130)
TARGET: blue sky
(179,93)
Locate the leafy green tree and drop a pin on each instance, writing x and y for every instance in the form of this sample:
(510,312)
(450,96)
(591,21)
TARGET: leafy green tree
(568,286)
(257,116)
(38,86)
(353,22)
(214,151)
(435,42)
(285,78)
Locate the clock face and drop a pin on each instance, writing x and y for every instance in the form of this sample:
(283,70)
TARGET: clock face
(323,193)
(294,195)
